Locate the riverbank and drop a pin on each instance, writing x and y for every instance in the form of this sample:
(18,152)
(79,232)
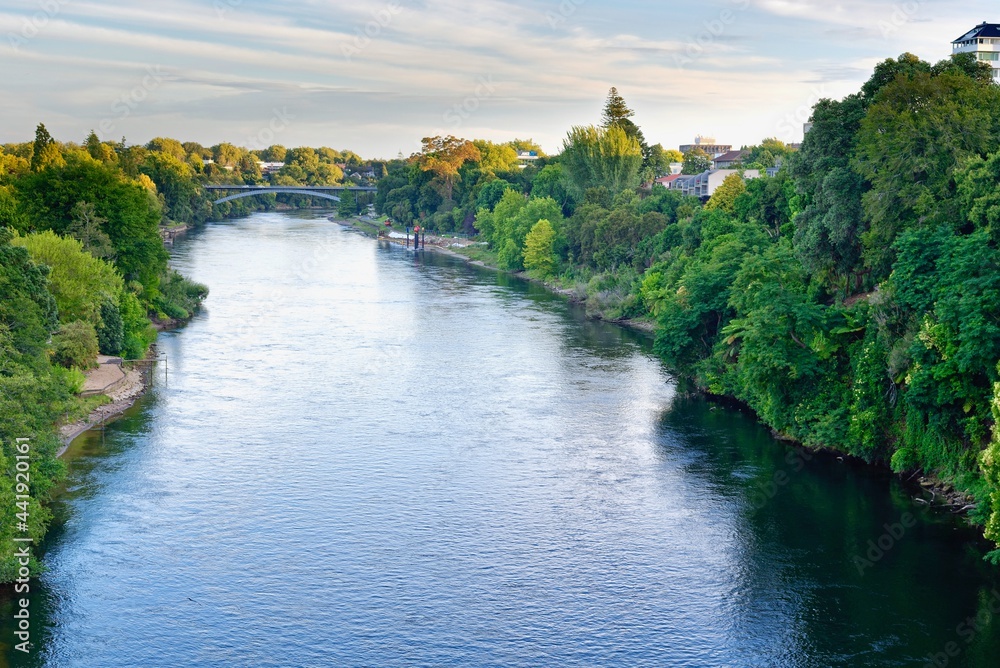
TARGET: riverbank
(927,490)
(463,249)
(122,398)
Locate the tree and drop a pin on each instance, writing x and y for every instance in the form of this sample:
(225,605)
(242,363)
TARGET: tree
(551,182)
(539,255)
(617,114)
(226,155)
(496,158)
(659,160)
(98,150)
(724,197)
(492,193)
(696,161)
(169,146)
(45,151)
(75,345)
(906,65)
(132,212)
(275,153)
(673,155)
(968,65)
(594,157)
(915,136)
(443,157)
(615,109)
(829,228)
(87,229)
(979,193)
(79,282)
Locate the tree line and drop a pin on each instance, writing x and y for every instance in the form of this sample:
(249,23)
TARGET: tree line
(852,300)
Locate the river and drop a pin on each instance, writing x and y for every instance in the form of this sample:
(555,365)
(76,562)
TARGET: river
(359,456)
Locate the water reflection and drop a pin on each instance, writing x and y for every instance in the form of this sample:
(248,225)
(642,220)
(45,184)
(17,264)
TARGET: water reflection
(388,458)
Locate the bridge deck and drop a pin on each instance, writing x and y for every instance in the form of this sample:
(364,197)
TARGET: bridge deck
(286,188)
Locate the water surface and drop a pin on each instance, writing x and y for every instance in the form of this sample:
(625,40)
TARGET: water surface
(358,456)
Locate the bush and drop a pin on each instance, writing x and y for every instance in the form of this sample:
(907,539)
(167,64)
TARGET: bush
(75,345)
(179,297)
(111,333)
(138,332)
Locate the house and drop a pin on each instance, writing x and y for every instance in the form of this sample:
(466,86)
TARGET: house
(665,181)
(730,159)
(705,184)
(525,158)
(708,145)
(984,42)
(269,167)
(683,183)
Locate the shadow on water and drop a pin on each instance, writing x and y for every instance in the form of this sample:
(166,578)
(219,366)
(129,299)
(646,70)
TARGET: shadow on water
(843,544)
(91,454)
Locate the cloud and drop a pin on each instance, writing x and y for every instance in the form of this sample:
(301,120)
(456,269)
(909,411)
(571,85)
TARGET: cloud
(376,74)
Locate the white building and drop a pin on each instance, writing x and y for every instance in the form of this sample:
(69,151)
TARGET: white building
(984,41)
(525,158)
(705,184)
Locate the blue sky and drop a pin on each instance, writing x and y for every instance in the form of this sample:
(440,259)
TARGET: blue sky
(376,76)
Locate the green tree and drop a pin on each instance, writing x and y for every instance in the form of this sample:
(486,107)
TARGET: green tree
(539,248)
(696,161)
(87,228)
(913,139)
(46,152)
(616,110)
(491,194)
(131,211)
(80,282)
(170,147)
(829,228)
(595,157)
(75,345)
(725,195)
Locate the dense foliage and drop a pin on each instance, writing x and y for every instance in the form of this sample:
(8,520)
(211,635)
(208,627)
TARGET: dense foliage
(852,300)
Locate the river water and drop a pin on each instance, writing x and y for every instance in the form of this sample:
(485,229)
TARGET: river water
(359,456)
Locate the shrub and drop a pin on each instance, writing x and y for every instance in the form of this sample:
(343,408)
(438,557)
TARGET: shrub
(111,333)
(75,345)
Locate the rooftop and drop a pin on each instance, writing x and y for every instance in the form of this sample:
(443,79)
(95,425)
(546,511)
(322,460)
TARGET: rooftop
(982,30)
(731,156)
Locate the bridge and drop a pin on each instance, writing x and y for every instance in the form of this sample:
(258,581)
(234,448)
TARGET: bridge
(311,191)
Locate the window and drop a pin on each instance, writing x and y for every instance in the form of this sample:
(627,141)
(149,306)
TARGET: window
(989,55)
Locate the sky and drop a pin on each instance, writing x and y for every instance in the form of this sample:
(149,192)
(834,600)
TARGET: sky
(377,76)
